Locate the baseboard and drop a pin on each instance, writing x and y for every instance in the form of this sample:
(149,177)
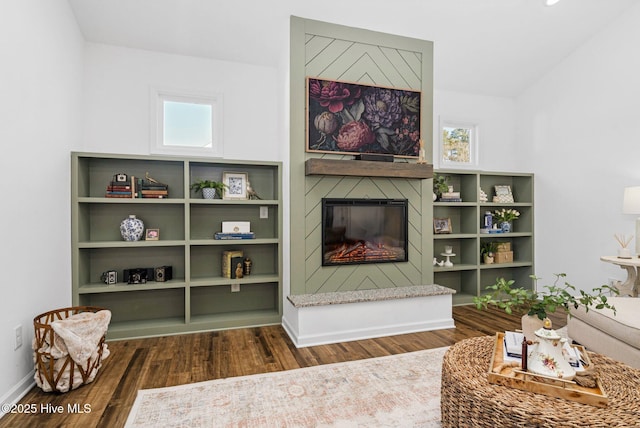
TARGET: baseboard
(17,392)
(321,325)
(302,341)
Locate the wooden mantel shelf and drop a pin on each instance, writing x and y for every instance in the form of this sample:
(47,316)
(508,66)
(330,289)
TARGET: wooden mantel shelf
(319,166)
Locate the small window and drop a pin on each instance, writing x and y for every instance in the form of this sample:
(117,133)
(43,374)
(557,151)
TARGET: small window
(459,144)
(186,124)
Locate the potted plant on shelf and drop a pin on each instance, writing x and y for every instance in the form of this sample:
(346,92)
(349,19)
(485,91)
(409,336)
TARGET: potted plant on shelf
(536,305)
(488,250)
(504,217)
(209,188)
(440,185)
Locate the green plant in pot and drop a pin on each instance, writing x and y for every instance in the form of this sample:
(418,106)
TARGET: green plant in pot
(535,306)
(488,250)
(209,188)
(440,185)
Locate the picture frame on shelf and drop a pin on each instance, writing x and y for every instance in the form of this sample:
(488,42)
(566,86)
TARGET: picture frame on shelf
(442,225)
(236,183)
(503,194)
(152,235)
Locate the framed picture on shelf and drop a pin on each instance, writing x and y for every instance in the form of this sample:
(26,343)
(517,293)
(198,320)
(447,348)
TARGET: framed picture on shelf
(152,235)
(441,225)
(236,183)
(503,194)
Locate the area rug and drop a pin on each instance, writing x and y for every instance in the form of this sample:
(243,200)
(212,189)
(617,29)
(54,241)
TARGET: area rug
(393,391)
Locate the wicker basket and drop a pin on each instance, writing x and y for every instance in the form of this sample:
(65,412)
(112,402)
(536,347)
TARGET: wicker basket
(49,369)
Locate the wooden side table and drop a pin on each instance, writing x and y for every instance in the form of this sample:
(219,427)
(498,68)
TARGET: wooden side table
(469,400)
(632,284)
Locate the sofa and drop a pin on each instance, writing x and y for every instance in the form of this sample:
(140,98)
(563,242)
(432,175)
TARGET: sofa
(614,335)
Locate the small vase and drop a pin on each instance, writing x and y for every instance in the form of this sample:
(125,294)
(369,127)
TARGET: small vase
(488,259)
(209,193)
(505,226)
(131,228)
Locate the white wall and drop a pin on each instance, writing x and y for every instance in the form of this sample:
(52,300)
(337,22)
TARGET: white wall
(578,131)
(40,83)
(496,121)
(116,100)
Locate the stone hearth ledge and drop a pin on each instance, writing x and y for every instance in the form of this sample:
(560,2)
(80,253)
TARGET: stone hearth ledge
(374,295)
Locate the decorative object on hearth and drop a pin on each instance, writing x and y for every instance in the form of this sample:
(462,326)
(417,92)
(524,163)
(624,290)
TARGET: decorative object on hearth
(623,251)
(353,118)
(538,304)
(209,188)
(131,228)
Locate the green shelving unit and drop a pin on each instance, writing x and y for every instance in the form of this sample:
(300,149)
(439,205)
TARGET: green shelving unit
(469,276)
(198,297)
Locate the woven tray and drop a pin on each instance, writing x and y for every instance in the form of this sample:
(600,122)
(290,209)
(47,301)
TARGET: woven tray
(569,390)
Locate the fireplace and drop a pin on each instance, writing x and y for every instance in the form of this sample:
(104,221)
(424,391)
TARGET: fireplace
(358,231)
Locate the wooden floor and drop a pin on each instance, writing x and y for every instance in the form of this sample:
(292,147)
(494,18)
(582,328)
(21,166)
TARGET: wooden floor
(174,360)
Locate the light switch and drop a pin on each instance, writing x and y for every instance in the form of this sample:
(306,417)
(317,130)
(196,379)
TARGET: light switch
(264,212)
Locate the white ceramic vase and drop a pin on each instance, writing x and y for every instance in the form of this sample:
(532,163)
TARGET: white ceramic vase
(131,228)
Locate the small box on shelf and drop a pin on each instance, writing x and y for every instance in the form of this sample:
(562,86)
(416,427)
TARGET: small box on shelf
(504,257)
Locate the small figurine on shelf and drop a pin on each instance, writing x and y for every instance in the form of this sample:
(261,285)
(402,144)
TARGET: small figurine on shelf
(251,193)
(483,196)
(438,263)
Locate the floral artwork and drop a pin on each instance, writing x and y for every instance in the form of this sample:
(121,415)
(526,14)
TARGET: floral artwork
(352,118)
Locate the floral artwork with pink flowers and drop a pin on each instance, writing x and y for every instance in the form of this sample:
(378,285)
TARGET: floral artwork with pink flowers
(351,118)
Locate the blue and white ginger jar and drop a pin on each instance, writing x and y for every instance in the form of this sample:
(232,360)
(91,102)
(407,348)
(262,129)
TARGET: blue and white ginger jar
(131,228)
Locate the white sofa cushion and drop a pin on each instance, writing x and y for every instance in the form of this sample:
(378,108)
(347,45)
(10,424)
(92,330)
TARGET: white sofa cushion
(624,325)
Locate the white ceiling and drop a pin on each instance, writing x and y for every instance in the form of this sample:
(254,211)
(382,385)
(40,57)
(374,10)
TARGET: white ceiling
(491,47)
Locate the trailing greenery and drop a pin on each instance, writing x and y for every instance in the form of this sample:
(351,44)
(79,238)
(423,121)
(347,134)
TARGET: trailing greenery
(556,297)
(208,184)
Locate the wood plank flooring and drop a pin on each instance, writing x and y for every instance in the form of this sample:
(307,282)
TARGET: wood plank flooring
(174,360)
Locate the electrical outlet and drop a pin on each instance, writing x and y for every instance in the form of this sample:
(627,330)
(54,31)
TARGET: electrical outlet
(264,212)
(235,288)
(18,337)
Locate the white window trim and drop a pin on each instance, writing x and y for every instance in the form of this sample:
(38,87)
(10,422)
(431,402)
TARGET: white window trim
(473,144)
(158,95)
